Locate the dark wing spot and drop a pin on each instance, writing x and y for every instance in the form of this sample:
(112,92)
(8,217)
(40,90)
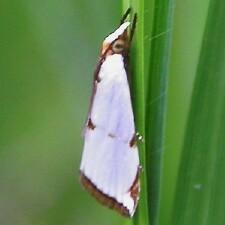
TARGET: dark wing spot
(133,141)
(90,124)
(135,188)
(111,135)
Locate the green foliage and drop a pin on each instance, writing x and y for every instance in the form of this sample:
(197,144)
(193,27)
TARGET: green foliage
(198,57)
(200,193)
(188,27)
(49,50)
(150,58)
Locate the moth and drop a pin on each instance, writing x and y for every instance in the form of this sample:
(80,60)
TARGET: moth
(110,162)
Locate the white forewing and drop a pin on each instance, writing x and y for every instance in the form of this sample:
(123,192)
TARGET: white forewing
(112,109)
(108,160)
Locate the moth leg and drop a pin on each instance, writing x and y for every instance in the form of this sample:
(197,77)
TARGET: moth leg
(136,137)
(139,137)
(140,169)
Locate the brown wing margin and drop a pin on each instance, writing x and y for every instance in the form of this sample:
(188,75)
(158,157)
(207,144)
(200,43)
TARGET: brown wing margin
(103,198)
(95,81)
(107,200)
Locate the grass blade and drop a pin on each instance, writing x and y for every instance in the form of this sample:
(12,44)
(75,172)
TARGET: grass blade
(200,194)
(150,69)
(188,29)
(156,101)
(138,86)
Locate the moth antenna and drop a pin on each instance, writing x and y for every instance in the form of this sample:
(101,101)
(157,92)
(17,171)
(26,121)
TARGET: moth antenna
(133,27)
(125,15)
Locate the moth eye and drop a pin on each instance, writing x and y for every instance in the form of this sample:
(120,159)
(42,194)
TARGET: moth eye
(118,46)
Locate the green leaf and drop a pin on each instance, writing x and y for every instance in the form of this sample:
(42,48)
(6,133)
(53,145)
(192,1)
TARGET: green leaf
(200,193)
(156,101)
(188,29)
(150,71)
(138,71)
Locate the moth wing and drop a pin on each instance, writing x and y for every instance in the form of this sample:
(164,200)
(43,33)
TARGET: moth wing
(109,163)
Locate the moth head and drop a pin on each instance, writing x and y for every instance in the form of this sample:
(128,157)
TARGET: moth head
(119,46)
(116,42)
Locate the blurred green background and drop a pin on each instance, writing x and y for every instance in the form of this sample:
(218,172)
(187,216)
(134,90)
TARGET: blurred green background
(48,52)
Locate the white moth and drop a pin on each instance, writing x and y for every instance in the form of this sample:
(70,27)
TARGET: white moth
(110,162)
